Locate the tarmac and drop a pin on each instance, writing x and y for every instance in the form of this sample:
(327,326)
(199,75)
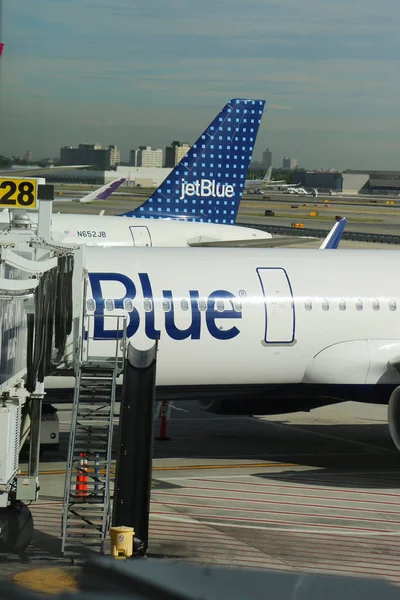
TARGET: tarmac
(310,492)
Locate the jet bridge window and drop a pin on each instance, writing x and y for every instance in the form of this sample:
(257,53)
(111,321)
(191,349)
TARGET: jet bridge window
(392,304)
(342,304)
(359,304)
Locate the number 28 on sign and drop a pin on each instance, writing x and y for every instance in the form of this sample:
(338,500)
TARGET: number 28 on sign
(18,193)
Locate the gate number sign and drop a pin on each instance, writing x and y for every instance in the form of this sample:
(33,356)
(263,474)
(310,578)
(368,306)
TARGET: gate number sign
(18,193)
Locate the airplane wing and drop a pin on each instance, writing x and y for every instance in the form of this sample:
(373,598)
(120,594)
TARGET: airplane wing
(260,243)
(332,240)
(38,171)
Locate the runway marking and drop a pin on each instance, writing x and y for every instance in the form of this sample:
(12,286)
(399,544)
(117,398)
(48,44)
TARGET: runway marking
(313,485)
(278,493)
(327,527)
(265,511)
(186,468)
(281,502)
(302,530)
(323,435)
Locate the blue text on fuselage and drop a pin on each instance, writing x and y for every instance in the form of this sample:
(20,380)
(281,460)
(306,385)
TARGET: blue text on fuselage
(193,331)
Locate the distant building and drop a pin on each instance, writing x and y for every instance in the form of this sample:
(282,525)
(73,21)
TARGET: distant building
(115,157)
(146,156)
(90,154)
(175,152)
(28,156)
(289,163)
(347,183)
(267,159)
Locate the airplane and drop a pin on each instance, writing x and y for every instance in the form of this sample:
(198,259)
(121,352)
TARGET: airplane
(37,171)
(101,193)
(333,238)
(197,202)
(266,181)
(252,331)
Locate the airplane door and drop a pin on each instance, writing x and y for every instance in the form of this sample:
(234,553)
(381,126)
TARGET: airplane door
(140,235)
(279,305)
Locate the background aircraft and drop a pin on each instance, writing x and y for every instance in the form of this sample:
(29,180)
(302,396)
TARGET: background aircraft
(198,201)
(101,193)
(207,185)
(36,171)
(266,181)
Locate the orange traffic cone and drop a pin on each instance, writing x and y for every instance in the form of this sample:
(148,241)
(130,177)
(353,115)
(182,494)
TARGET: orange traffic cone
(163,424)
(82,476)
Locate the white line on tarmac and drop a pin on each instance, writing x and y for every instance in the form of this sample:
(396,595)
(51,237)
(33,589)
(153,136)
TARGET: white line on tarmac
(323,435)
(305,530)
(306,470)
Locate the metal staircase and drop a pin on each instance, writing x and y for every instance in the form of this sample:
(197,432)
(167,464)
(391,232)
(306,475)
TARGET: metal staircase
(87,493)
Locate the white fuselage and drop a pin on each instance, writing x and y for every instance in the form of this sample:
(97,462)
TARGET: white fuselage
(95,230)
(253,316)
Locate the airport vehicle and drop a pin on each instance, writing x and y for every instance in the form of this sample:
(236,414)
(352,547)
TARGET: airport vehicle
(301,191)
(198,201)
(254,331)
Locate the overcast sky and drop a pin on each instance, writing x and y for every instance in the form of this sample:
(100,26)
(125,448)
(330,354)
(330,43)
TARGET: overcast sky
(146,72)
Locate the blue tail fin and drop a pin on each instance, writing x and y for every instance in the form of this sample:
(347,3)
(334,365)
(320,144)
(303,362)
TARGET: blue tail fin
(207,184)
(332,240)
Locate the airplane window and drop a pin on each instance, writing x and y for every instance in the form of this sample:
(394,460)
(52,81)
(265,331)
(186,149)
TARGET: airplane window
(147,304)
(202,305)
(392,304)
(109,304)
(342,304)
(237,305)
(90,304)
(220,305)
(308,304)
(375,304)
(359,304)
(325,304)
(166,305)
(184,304)
(128,305)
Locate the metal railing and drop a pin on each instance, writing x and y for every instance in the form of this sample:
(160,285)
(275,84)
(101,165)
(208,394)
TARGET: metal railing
(91,348)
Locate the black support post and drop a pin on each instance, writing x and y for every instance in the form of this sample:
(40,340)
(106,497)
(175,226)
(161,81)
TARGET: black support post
(135,453)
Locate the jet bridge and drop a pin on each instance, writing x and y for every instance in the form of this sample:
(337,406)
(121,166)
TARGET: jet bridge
(41,287)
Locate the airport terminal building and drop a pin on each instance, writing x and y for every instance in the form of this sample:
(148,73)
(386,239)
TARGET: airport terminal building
(350,182)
